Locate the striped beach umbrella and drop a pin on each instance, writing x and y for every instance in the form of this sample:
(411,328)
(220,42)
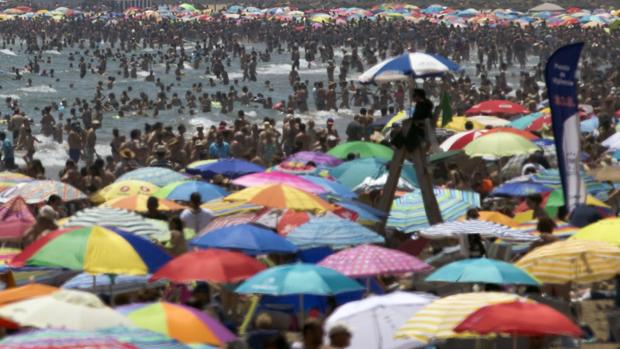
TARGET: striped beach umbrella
(573,260)
(182,191)
(276,177)
(62,339)
(114,217)
(408,215)
(332,231)
(437,320)
(95,250)
(138,203)
(143,339)
(185,324)
(11,179)
(221,208)
(122,189)
(160,176)
(281,196)
(416,64)
(38,191)
(455,229)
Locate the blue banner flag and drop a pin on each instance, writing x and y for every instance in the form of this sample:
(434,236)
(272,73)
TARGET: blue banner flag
(562,93)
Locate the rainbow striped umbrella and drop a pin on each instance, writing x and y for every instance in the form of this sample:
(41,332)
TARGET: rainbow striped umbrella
(185,324)
(182,191)
(281,196)
(275,177)
(36,192)
(11,179)
(96,250)
(408,214)
(62,339)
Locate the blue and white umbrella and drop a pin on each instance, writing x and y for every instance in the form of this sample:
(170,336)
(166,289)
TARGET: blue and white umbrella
(332,231)
(484,228)
(412,64)
(520,189)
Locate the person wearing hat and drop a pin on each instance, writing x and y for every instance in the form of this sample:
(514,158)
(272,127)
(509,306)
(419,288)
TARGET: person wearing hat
(161,157)
(339,337)
(127,162)
(46,222)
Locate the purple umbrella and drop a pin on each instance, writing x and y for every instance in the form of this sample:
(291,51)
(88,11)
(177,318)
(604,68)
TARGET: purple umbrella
(316,157)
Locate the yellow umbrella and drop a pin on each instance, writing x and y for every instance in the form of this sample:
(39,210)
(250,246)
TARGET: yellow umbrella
(606,174)
(458,124)
(438,319)
(400,116)
(573,260)
(123,189)
(281,196)
(138,203)
(606,230)
(221,207)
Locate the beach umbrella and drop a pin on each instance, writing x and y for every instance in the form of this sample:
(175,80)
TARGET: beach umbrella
(316,157)
(551,177)
(438,319)
(605,230)
(487,120)
(36,192)
(573,260)
(497,108)
(227,221)
(332,187)
(15,219)
(369,260)
(374,320)
(454,229)
(21,293)
(353,173)
(520,189)
(222,208)
(459,140)
(281,196)
(497,145)
(95,250)
(370,184)
(160,176)
(457,124)
(296,168)
(607,174)
(62,339)
(103,284)
(407,213)
(332,231)
(249,238)
(67,309)
(362,150)
(114,217)
(211,265)
(555,200)
(416,64)
(298,279)
(11,179)
(183,323)
(519,319)
(181,191)
(138,203)
(275,177)
(496,217)
(145,339)
(230,168)
(523,122)
(124,188)
(482,271)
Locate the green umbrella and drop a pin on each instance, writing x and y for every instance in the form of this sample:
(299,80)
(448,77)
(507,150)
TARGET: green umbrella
(444,155)
(362,150)
(500,144)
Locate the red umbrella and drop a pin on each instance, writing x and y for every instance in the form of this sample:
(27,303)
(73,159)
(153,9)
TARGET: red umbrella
(498,108)
(539,123)
(519,319)
(210,265)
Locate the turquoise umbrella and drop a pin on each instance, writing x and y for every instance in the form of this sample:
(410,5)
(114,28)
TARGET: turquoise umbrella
(299,279)
(407,213)
(160,176)
(352,173)
(483,270)
(525,121)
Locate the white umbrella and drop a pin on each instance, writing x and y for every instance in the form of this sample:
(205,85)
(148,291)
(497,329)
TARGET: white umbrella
(485,229)
(371,183)
(374,320)
(73,310)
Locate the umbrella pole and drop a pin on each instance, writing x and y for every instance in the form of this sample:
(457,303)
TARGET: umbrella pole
(514,342)
(301,311)
(111,289)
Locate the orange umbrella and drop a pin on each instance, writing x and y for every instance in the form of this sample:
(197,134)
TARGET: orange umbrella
(496,217)
(281,196)
(22,293)
(138,203)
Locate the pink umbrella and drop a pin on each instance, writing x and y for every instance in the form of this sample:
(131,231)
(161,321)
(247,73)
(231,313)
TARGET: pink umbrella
(370,260)
(276,177)
(15,219)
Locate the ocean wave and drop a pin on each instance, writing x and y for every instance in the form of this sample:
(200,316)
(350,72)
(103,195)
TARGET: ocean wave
(38,89)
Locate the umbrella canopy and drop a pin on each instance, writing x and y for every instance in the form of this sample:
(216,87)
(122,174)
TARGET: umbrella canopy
(80,311)
(362,150)
(230,168)
(185,324)
(497,145)
(104,284)
(11,179)
(606,230)
(281,196)
(369,260)
(96,250)
(574,260)
(275,177)
(249,238)
(316,157)
(62,339)
(482,270)
(222,208)
(353,173)
(17,294)
(114,217)
(374,320)
(520,189)
(211,265)
(607,174)
(123,188)
(332,187)
(181,191)
(15,219)
(145,339)
(496,217)
(455,229)
(459,140)
(138,203)
(407,213)
(416,64)
(497,108)
(160,176)
(38,191)
(438,319)
(298,279)
(519,319)
(332,231)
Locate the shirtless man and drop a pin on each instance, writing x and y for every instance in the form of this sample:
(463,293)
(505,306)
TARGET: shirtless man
(75,143)
(90,140)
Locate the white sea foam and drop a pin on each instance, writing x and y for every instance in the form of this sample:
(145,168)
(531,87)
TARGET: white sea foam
(52,52)
(8,52)
(38,89)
